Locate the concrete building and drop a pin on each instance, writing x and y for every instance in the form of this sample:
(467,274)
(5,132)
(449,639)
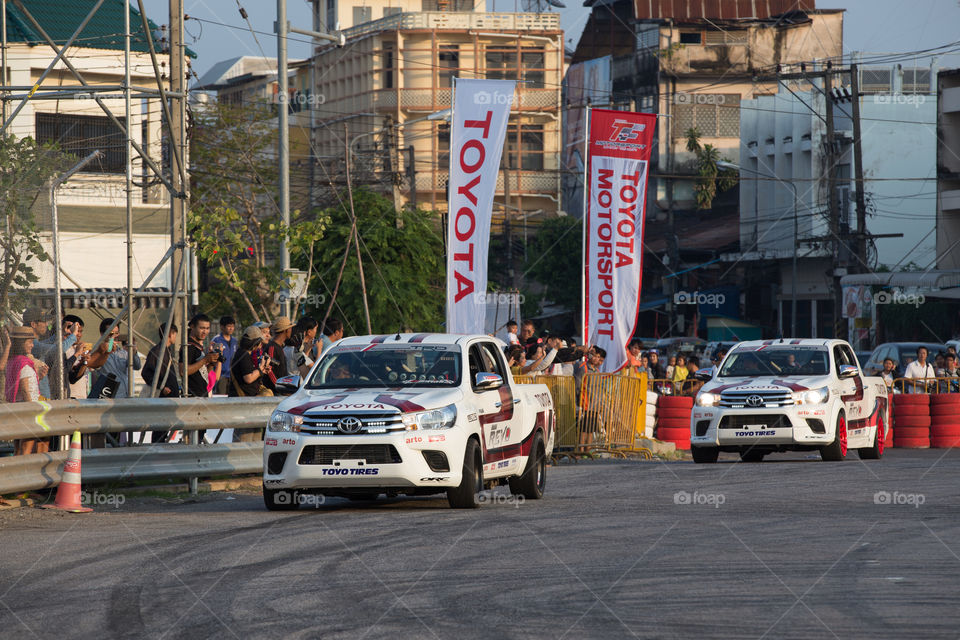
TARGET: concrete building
(948,169)
(92,204)
(783,156)
(398,69)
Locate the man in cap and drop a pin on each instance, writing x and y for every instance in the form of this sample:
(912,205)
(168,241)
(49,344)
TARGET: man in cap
(280,330)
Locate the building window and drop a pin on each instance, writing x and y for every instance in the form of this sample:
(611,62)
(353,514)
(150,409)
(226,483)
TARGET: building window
(524,147)
(447,5)
(82,135)
(443,146)
(387,65)
(362,14)
(448,64)
(690,37)
(331,14)
(391,11)
(501,64)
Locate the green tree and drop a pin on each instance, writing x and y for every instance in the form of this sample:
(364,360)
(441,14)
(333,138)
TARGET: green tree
(711,179)
(554,259)
(26,169)
(235,223)
(403,265)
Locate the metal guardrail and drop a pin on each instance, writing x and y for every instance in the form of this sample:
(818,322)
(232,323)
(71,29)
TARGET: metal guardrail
(44,470)
(63,417)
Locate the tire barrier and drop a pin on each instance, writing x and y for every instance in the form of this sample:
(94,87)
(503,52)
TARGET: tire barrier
(911,420)
(673,420)
(651,414)
(945,421)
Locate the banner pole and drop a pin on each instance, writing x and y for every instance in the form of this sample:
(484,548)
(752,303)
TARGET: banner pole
(583,229)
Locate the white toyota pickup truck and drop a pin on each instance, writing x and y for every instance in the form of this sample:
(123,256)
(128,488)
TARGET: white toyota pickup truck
(410,414)
(789,395)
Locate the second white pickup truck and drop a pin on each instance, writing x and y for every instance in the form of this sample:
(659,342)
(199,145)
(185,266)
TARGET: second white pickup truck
(790,395)
(412,414)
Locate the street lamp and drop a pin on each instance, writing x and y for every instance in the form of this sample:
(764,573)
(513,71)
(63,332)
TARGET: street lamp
(722,164)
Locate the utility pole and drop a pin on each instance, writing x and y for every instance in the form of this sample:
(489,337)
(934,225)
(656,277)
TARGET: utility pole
(178,200)
(356,232)
(838,242)
(858,171)
(283,144)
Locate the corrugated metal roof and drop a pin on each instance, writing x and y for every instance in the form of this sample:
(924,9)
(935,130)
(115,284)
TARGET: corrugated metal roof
(718,9)
(60,18)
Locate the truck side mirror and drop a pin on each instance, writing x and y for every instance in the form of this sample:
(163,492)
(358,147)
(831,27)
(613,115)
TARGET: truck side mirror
(485,380)
(848,371)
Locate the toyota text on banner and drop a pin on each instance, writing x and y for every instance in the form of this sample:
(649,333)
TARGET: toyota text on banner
(619,154)
(480,112)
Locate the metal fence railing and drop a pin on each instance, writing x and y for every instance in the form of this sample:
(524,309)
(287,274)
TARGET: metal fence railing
(926,385)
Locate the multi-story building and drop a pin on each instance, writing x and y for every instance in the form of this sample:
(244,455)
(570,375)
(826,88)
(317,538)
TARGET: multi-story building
(948,169)
(785,161)
(382,95)
(693,64)
(92,204)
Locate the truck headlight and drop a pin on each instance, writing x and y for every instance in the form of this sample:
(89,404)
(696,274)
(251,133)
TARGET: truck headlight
(442,418)
(812,396)
(283,421)
(707,399)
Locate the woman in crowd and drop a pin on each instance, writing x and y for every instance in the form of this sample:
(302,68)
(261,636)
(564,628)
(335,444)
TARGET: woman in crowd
(21,383)
(299,346)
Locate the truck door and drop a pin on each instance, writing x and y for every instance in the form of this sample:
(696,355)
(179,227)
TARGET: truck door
(497,414)
(851,392)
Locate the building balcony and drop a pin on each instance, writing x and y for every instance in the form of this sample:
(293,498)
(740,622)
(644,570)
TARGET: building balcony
(523,183)
(430,100)
(461,21)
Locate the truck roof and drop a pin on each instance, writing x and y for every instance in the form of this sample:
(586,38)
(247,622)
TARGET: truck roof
(786,342)
(415,338)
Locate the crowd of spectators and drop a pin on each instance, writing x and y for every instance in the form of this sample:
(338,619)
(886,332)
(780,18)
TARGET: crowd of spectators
(217,365)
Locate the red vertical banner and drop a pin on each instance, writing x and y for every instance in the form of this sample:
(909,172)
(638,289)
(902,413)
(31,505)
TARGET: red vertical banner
(619,149)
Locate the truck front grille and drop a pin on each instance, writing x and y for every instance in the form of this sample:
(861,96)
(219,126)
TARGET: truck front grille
(371,453)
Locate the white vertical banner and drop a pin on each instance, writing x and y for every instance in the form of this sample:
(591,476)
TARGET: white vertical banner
(619,148)
(480,112)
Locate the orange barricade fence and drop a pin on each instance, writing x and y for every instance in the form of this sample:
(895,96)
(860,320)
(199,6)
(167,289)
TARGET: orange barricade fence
(612,412)
(564,392)
(926,385)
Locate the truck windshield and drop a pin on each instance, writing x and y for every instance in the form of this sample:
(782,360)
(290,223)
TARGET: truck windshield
(776,361)
(408,365)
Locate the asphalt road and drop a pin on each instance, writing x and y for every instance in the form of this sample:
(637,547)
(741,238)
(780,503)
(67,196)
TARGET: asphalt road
(789,548)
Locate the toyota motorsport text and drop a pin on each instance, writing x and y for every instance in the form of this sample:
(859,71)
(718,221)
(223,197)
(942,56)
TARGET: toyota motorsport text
(409,414)
(790,395)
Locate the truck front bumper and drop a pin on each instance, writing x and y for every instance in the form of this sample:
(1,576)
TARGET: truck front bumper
(782,427)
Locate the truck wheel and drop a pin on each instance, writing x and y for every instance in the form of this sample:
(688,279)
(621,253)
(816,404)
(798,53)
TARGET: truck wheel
(534,479)
(836,450)
(281,499)
(876,450)
(705,455)
(752,455)
(471,484)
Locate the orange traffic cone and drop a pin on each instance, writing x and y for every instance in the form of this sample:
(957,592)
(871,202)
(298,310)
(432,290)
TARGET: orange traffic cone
(68,493)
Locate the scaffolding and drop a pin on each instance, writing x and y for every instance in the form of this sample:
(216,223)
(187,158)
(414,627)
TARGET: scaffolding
(173,105)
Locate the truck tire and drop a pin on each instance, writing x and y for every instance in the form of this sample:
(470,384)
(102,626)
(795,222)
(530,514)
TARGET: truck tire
(281,499)
(532,482)
(465,496)
(836,450)
(876,450)
(705,455)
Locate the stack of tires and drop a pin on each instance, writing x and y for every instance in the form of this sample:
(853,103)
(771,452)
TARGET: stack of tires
(945,420)
(911,420)
(673,420)
(652,399)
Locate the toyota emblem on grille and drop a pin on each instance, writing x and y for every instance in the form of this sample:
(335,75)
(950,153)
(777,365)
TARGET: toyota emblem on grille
(349,425)
(754,401)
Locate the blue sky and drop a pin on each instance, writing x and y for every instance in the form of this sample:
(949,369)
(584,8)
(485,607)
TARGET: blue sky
(875,26)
